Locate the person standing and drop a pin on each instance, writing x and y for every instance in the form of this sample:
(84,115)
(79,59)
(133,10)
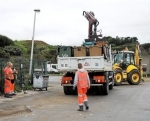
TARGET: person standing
(82,82)
(7,80)
(13,79)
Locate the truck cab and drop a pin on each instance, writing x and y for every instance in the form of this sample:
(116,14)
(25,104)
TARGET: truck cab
(52,68)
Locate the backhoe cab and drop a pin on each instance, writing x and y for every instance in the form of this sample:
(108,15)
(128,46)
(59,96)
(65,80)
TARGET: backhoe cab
(127,66)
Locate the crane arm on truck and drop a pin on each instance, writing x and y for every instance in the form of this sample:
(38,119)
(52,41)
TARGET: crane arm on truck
(92,22)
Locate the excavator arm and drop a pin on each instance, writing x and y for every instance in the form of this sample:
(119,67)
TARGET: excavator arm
(92,22)
(138,58)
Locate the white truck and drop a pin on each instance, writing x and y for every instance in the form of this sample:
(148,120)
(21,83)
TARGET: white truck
(99,69)
(95,59)
(52,68)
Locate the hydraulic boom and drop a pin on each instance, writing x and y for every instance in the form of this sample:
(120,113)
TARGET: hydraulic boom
(92,22)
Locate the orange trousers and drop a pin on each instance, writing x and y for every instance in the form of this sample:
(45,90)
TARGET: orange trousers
(7,86)
(82,95)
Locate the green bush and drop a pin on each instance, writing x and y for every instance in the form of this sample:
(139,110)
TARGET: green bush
(18,88)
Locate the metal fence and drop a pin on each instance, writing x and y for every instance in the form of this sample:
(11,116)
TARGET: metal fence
(22,66)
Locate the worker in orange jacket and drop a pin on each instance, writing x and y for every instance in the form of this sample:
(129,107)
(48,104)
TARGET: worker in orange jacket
(7,80)
(82,82)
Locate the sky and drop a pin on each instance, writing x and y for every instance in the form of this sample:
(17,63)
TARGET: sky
(61,22)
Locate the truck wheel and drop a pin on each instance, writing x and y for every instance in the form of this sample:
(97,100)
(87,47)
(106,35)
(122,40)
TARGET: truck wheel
(40,89)
(72,92)
(134,77)
(46,88)
(118,78)
(105,89)
(66,90)
(99,90)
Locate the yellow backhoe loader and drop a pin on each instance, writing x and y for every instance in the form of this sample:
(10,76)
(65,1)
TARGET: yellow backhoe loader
(127,66)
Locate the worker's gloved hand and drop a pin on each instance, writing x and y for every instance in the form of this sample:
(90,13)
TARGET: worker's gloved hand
(74,88)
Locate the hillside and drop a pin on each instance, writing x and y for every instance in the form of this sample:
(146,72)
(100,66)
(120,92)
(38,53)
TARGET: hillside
(42,50)
(37,43)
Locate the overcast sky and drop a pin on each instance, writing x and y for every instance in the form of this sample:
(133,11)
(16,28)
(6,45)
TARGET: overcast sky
(62,22)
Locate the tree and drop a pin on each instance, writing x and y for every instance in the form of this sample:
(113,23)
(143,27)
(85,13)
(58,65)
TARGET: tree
(50,54)
(21,47)
(3,54)
(146,46)
(13,50)
(5,41)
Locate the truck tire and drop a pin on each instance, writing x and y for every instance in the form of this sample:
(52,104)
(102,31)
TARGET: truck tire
(134,77)
(98,90)
(118,77)
(105,89)
(72,92)
(66,90)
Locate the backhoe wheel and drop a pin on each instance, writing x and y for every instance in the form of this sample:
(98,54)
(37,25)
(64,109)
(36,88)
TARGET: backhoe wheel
(66,90)
(118,78)
(134,77)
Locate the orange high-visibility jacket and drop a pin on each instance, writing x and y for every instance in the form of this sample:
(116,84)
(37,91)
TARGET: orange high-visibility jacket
(8,73)
(81,79)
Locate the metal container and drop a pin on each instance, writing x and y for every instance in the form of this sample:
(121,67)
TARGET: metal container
(87,44)
(101,43)
(80,51)
(40,81)
(95,51)
(65,51)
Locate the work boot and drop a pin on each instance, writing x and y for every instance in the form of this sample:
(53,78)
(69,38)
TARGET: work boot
(86,105)
(13,94)
(80,108)
(7,96)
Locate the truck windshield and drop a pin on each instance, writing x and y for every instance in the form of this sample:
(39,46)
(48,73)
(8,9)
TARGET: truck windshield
(118,58)
(54,66)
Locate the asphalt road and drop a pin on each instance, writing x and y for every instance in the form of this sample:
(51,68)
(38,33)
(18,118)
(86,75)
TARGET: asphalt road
(124,103)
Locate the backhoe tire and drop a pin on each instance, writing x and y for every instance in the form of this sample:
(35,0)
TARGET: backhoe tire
(134,77)
(118,78)
(66,90)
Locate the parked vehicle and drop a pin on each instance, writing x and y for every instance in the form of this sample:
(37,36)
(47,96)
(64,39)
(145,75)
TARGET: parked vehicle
(96,59)
(127,66)
(52,68)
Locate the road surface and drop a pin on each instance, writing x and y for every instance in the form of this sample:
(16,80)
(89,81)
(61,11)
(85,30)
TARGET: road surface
(123,103)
